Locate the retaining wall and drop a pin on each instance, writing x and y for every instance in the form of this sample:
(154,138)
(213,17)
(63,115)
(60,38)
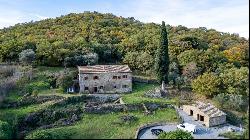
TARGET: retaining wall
(143,80)
(144,126)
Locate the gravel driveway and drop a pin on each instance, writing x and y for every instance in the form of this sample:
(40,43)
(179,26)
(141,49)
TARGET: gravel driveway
(202,133)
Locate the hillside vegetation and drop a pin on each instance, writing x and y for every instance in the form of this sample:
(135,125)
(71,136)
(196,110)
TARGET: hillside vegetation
(112,38)
(204,63)
(200,54)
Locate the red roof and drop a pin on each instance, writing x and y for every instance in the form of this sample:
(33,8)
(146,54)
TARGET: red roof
(104,69)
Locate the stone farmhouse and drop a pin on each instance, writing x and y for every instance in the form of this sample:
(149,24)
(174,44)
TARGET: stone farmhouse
(206,113)
(105,79)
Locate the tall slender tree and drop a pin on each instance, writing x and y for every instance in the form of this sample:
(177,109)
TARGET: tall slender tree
(162,58)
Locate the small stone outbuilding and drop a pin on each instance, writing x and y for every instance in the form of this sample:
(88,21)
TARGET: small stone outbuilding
(206,113)
(105,79)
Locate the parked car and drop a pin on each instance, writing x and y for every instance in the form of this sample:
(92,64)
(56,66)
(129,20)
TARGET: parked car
(230,129)
(156,131)
(187,127)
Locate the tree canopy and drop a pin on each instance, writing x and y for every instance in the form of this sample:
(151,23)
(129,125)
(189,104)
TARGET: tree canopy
(162,57)
(96,38)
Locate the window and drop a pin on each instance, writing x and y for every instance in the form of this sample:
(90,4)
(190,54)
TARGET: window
(114,77)
(114,86)
(101,87)
(85,78)
(124,76)
(119,77)
(86,88)
(124,86)
(96,77)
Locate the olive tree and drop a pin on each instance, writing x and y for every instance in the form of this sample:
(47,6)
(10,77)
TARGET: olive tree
(27,56)
(207,84)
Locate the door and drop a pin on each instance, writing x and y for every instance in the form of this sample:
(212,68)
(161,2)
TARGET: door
(201,118)
(198,117)
(95,89)
(191,112)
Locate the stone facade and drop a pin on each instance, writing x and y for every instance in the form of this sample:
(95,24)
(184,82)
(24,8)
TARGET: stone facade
(105,79)
(206,113)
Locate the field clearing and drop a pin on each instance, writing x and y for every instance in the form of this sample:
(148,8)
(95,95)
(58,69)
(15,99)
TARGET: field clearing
(94,126)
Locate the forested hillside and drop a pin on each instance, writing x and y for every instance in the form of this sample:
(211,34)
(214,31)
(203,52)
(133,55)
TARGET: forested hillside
(92,37)
(112,38)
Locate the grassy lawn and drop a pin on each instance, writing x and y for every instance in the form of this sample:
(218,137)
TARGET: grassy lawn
(10,115)
(95,126)
(48,92)
(13,96)
(137,96)
(91,125)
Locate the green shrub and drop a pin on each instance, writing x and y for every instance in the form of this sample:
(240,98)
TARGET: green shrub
(231,101)
(35,92)
(177,134)
(40,85)
(40,134)
(207,84)
(221,99)
(128,118)
(65,80)
(22,81)
(5,130)
(49,134)
(233,118)
(232,135)
(236,102)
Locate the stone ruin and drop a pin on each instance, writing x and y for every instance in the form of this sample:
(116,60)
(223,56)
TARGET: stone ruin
(155,93)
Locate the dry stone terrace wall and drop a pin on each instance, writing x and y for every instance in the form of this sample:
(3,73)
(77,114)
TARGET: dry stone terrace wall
(99,99)
(30,100)
(108,108)
(103,98)
(144,80)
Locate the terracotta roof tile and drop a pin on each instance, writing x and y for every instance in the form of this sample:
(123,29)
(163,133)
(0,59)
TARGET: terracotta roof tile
(104,68)
(209,109)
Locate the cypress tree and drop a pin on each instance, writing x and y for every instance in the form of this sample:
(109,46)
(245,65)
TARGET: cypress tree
(162,57)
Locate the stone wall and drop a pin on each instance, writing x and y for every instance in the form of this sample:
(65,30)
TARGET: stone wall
(196,111)
(208,121)
(145,126)
(107,108)
(106,80)
(29,100)
(103,98)
(217,120)
(143,80)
